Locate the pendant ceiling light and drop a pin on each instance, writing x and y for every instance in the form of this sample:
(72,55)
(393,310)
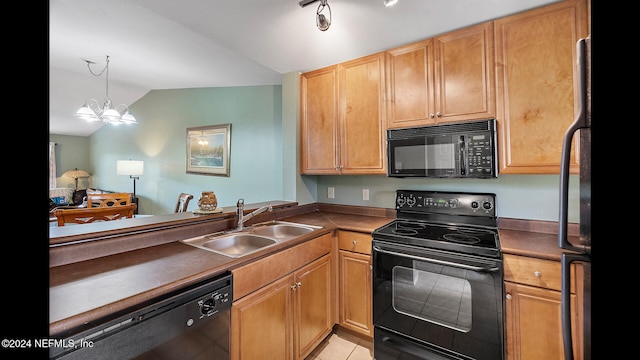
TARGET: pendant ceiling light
(91,110)
(389,3)
(323,20)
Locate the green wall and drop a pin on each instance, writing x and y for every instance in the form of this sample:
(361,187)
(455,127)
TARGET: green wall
(264,157)
(71,152)
(159,139)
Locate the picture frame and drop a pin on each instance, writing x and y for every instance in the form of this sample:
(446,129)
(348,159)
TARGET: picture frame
(208,150)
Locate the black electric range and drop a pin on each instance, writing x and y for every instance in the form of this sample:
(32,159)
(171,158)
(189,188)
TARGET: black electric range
(460,222)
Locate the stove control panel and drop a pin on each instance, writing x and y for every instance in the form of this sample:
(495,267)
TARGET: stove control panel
(448,203)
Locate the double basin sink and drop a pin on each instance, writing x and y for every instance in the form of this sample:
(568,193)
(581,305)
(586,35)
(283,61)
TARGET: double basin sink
(250,239)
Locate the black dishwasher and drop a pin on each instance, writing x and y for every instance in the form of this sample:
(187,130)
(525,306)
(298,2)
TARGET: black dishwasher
(190,323)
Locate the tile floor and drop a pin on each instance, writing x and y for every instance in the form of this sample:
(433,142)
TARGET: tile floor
(341,345)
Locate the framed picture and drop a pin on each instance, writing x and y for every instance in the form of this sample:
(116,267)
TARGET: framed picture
(208,150)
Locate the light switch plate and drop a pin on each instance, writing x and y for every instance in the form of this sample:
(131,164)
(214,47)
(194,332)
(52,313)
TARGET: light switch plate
(331,192)
(365,194)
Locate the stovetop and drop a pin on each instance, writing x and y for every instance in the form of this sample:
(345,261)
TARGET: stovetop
(460,222)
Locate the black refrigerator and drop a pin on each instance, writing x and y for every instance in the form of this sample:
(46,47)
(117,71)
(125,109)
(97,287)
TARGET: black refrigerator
(580,250)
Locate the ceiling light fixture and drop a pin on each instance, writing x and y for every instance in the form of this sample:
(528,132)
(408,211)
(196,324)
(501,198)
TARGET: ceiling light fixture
(91,110)
(322,21)
(389,3)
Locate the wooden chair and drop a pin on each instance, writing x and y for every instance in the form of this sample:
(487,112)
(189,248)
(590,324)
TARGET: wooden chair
(89,215)
(183,202)
(105,200)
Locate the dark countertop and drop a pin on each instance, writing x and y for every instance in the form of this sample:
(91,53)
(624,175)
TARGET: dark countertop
(85,292)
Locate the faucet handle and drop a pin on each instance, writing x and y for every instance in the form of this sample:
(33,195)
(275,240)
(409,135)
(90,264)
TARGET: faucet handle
(240,202)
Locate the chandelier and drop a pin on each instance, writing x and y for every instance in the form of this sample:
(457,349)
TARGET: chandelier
(91,110)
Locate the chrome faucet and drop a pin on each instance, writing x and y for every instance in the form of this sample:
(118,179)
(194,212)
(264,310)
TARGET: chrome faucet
(242,218)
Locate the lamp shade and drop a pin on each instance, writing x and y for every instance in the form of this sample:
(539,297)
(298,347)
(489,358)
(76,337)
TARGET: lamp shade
(130,167)
(76,174)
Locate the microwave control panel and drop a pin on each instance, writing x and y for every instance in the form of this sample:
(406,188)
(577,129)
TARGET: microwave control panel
(479,155)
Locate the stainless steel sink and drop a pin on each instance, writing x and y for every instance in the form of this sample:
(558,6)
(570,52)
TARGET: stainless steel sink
(232,245)
(250,239)
(281,230)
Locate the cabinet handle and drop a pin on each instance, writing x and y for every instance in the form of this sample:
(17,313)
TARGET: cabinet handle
(509,296)
(432,115)
(439,114)
(299,284)
(354,242)
(293,287)
(537,274)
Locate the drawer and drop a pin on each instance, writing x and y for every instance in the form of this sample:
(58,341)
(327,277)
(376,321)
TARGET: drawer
(354,241)
(536,272)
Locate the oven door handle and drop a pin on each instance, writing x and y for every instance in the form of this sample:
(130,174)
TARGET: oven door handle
(436,261)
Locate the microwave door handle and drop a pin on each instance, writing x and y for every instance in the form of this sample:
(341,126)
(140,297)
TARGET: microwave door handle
(579,122)
(463,165)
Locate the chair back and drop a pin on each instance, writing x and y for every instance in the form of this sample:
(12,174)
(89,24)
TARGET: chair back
(89,215)
(183,202)
(105,200)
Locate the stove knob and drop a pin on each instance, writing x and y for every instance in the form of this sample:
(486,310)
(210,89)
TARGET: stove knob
(411,201)
(400,201)
(487,205)
(474,205)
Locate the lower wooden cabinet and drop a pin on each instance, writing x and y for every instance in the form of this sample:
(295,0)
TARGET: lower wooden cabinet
(355,287)
(533,311)
(286,319)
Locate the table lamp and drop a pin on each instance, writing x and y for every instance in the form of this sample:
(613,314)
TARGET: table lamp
(75,174)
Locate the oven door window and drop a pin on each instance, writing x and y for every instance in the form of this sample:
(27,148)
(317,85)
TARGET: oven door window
(437,298)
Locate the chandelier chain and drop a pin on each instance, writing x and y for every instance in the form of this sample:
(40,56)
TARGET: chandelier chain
(106,67)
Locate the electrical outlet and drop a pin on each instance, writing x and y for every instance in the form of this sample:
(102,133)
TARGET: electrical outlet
(331,192)
(365,194)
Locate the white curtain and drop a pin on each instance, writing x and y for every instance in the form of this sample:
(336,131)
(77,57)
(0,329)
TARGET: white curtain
(52,165)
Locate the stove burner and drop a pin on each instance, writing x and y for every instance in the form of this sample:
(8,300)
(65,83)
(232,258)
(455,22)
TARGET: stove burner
(461,238)
(410,225)
(404,231)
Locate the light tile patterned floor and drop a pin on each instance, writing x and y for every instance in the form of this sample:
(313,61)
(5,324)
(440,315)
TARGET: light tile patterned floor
(342,345)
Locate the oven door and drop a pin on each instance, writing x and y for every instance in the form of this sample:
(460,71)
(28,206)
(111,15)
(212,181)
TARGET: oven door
(436,304)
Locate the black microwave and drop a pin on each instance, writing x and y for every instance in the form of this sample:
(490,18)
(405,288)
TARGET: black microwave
(451,150)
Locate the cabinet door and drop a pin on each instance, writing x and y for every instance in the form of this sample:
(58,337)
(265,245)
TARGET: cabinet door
(536,76)
(319,141)
(355,292)
(313,321)
(410,85)
(362,116)
(464,70)
(261,323)
(534,326)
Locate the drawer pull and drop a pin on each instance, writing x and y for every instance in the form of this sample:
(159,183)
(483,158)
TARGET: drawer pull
(537,274)
(509,296)
(354,242)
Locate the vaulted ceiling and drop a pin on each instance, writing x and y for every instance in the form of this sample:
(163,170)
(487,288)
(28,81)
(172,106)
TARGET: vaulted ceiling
(169,44)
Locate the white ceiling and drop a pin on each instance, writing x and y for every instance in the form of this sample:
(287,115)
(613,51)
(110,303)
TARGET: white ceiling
(175,44)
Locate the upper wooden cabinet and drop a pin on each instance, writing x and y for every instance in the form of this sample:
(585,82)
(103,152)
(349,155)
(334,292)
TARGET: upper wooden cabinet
(343,118)
(446,78)
(536,77)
